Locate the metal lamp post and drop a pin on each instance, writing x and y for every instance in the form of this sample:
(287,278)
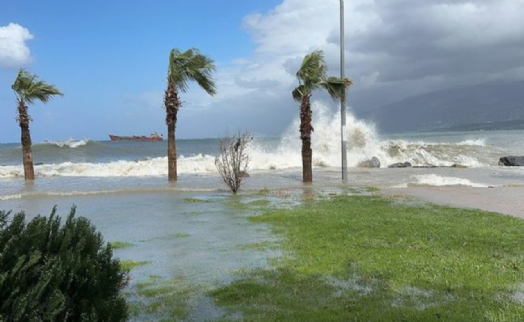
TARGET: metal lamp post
(343,100)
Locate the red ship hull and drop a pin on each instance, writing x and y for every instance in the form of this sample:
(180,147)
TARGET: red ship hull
(136,138)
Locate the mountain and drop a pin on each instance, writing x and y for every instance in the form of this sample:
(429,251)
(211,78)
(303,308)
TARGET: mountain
(452,108)
(488,126)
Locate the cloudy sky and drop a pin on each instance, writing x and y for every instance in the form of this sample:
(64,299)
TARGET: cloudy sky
(110,58)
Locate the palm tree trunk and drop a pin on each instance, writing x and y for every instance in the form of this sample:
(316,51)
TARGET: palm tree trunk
(172,103)
(171,152)
(306,128)
(23,118)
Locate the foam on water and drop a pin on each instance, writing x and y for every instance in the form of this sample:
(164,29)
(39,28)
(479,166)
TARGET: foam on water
(70,143)
(439,181)
(363,144)
(142,168)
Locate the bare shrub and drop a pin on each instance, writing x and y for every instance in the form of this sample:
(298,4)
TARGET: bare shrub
(233,161)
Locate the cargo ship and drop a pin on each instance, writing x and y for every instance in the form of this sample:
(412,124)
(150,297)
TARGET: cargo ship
(140,138)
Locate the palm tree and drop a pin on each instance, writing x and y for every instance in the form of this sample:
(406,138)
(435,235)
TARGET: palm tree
(312,75)
(186,66)
(28,88)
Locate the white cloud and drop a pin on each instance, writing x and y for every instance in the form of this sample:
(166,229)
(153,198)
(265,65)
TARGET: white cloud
(14,51)
(394,49)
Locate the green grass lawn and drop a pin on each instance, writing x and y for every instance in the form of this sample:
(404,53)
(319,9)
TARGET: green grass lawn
(365,258)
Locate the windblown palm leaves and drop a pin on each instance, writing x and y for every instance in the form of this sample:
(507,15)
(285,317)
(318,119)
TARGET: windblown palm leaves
(312,76)
(184,67)
(28,89)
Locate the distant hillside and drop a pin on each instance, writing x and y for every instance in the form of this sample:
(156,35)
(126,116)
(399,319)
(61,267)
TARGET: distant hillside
(453,108)
(490,126)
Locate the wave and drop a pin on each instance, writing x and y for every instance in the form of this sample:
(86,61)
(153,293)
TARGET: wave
(478,142)
(439,181)
(364,143)
(139,168)
(71,143)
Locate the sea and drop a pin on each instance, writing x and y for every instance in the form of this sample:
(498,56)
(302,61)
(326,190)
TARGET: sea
(122,188)
(88,167)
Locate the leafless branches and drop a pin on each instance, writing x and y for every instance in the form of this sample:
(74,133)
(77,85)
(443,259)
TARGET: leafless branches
(233,161)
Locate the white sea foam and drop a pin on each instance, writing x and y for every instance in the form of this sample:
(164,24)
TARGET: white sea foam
(439,181)
(71,143)
(11,197)
(145,168)
(478,142)
(363,144)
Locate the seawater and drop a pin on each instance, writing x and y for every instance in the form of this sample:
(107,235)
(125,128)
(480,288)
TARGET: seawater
(88,167)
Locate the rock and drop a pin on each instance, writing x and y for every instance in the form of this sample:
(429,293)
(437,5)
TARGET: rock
(374,162)
(39,163)
(244,174)
(512,161)
(401,165)
(459,166)
(425,166)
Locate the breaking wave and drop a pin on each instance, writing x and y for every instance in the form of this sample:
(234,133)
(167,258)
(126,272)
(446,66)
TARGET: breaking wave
(363,144)
(71,143)
(439,181)
(141,168)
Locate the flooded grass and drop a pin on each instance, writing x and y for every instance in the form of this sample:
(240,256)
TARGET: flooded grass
(259,246)
(366,258)
(120,245)
(128,265)
(158,299)
(181,235)
(196,200)
(192,248)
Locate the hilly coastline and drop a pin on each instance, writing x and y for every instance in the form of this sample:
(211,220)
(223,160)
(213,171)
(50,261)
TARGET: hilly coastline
(490,106)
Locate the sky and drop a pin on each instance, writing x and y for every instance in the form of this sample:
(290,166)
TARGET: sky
(109,58)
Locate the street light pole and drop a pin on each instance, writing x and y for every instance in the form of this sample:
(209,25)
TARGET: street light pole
(343,100)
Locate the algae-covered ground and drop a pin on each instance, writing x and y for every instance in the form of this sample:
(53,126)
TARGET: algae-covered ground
(356,258)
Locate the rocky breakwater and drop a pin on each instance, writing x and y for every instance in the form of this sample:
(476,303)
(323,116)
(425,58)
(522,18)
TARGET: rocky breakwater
(512,161)
(374,162)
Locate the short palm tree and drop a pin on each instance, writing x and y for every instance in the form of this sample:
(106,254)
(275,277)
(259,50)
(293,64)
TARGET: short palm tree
(312,75)
(184,67)
(29,88)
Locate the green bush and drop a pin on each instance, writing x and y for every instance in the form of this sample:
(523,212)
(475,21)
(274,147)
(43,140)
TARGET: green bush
(50,272)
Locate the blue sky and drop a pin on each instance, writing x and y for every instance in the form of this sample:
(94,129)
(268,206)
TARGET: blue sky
(102,53)
(109,58)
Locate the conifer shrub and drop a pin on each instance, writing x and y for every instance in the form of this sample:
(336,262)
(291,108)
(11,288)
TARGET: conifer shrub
(55,272)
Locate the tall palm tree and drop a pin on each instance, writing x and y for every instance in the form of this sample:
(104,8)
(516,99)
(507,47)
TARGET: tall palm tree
(184,67)
(29,88)
(312,75)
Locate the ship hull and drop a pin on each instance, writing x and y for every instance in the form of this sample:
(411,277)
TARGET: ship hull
(135,138)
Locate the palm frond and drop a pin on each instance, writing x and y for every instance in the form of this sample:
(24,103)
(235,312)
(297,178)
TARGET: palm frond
(336,87)
(312,72)
(29,88)
(42,91)
(191,65)
(313,69)
(298,93)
